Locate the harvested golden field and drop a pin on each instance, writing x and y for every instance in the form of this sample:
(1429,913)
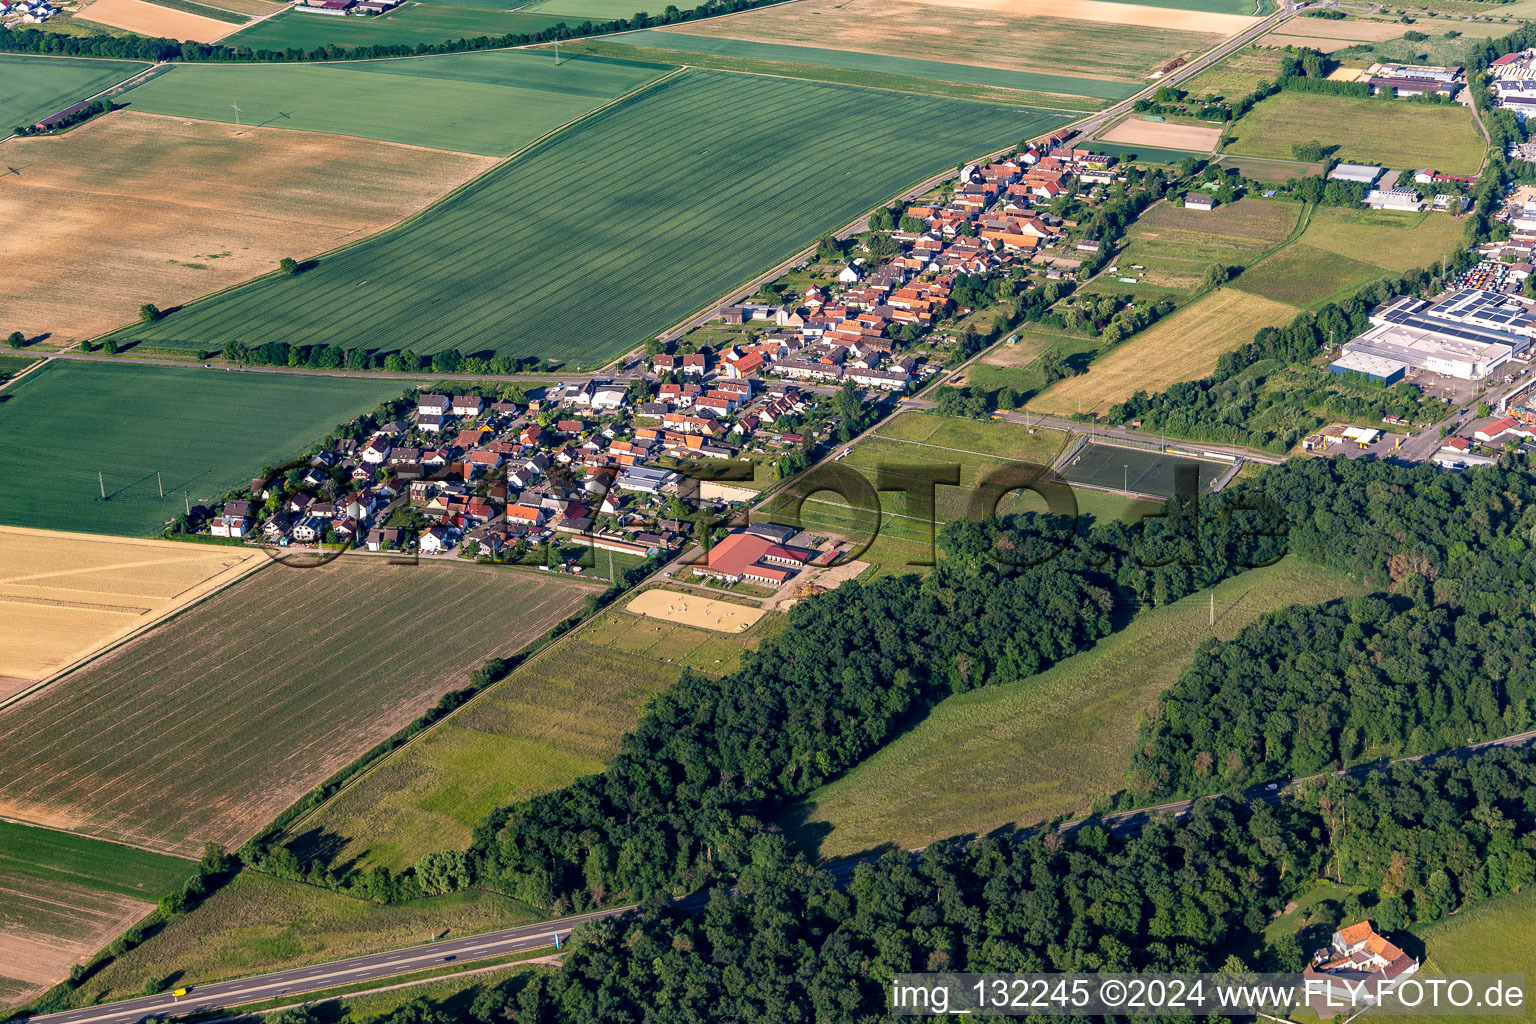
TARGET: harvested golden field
(1160,134)
(694,610)
(152,20)
(1183,346)
(1128,41)
(1349,29)
(66,595)
(1112,12)
(208,726)
(144,208)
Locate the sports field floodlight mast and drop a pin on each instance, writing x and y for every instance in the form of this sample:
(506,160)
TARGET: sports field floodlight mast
(237,114)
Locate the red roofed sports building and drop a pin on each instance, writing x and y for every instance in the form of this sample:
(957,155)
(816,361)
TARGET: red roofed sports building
(745,556)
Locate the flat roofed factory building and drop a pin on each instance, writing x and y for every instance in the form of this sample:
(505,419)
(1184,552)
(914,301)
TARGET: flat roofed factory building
(1437,338)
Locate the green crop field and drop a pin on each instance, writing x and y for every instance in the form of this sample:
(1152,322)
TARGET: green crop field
(11,365)
(1342,249)
(257,923)
(555,719)
(880,64)
(38,86)
(312,668)
(575,11)
(491,103)
(611,46)
(50,856)
(203,10)
(1371,131)
(202,432)
(408,25)
(63,896)
(691,201)
(1044,746)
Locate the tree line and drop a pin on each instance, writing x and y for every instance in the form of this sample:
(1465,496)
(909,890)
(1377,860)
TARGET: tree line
(712,759)
(788,944)
(136,47)
(1441,659)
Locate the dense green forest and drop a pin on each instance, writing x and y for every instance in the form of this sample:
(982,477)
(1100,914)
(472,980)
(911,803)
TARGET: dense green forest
(1313,688)
(713,759)
(1443,660)
(787,944)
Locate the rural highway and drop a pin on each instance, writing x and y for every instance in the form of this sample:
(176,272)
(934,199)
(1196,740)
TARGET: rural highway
(381,966)
(373,967)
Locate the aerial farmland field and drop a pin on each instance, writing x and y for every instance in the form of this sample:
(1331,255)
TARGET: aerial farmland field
(690,203)
(407,25)
(145,208)
(493,102)
(1182,346)
(62,897)
(209,726)
(1127,42)
(880,64)
(1044,746)
(38,86)
(67,595)
(557,717)
(183,22)
(203,432)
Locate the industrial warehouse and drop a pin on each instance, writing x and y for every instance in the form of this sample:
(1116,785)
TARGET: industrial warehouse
(1467,335)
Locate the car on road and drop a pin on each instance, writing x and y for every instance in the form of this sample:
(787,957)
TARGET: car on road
(1271,787)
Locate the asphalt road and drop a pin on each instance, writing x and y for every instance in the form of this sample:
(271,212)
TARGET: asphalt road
(373,967)
(381,966)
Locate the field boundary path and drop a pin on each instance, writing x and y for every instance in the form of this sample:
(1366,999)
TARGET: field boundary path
(413,959)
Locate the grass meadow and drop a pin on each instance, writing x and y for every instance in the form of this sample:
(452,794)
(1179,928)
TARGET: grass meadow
(556,718)
(407,25)
(1371,131)
(257,923)
(1494,937)
(1044,746)
(490,103)
(1237,75)
(203,433)
(38,86)
(690,203)
(63,896)
(1182,346)
(880,64)
(210,725)
(1176,246)
(584,10)
(904,538)
(1342,249)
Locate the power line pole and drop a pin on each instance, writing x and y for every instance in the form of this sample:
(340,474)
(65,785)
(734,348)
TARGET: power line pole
(188,501)
(102,484)
(161,484)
